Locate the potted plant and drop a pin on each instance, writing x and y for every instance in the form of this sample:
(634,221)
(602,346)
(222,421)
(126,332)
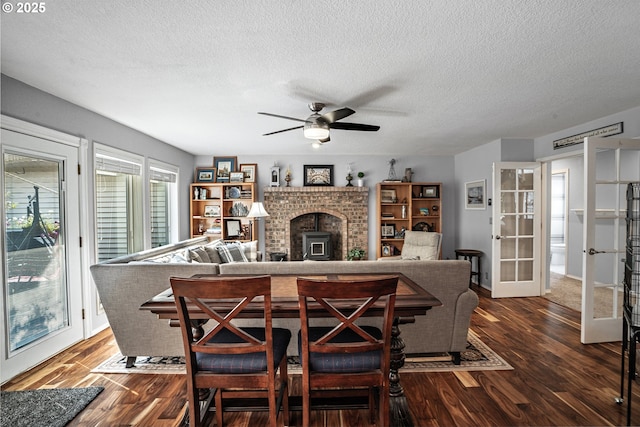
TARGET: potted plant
(356,254)
(360,179)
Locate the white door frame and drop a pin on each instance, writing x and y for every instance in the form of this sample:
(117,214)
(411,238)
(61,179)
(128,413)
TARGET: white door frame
(518,286)
(604,329)
(56,143)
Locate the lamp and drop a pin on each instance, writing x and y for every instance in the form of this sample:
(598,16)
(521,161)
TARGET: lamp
(257,211)
(316,128)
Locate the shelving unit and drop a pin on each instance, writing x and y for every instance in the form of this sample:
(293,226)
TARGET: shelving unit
(406,206)
(222,212)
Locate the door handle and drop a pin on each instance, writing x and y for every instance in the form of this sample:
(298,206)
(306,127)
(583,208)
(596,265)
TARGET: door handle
(593,251)
(498,237)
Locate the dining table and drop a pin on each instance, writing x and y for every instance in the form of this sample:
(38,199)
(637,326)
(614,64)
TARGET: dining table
(411,300)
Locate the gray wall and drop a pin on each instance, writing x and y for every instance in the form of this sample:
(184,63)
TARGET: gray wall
(27,103)
(475,226)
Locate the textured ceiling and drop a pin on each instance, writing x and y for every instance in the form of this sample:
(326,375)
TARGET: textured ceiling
(438,76)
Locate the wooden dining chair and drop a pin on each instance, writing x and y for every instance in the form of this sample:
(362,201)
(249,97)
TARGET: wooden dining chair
(228,356)
(346,355)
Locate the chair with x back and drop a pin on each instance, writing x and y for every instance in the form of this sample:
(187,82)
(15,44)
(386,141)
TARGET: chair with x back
(348,354)
(228,356)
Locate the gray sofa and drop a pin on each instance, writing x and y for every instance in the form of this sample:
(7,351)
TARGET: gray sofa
(126,283)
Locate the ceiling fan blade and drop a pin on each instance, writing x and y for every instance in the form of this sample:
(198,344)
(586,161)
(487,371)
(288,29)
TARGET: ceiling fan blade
(354,126)
(282,117)
(338,114)
(283,130)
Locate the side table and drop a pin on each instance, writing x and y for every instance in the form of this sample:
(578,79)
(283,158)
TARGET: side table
(469,255)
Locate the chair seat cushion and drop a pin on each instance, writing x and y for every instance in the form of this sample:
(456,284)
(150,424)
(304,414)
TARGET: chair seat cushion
(342,362)
(244,363)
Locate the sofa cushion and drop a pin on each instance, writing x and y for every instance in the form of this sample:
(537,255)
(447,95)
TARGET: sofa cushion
(199,254)
(231,252)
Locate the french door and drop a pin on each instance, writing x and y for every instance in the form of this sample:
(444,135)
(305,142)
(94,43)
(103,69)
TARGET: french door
(516,230)
(609,165)
(41,270)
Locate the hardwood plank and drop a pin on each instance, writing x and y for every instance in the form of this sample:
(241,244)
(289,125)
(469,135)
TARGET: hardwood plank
(556,380)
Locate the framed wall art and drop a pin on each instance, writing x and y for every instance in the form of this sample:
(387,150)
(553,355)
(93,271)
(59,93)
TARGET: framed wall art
(388,196)
(212,211)
(250,171)
(224,166)
(386,250)
(234,227)
(205,175)
(388,231)
(318,175)
(430,191)
(475,195)
(236,177)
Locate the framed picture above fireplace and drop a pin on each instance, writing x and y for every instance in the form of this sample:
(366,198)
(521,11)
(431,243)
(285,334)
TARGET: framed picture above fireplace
(318,175)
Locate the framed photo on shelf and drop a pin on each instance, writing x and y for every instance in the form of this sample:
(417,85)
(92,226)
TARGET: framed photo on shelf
(236,177)
(388,231)
(430,191)
(205,175)
(250,171)
(474,195)
(212,211)
(234,227)
(388,196)
(318,175)
(386,250)
(224,166)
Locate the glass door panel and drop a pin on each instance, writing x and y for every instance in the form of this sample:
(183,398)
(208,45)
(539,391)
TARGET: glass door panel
(516,230)
(37,303)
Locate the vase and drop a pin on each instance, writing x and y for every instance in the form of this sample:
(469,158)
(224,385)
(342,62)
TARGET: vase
(360,182)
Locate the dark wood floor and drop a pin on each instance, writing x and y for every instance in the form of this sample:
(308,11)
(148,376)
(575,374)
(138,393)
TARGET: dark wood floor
(556,381)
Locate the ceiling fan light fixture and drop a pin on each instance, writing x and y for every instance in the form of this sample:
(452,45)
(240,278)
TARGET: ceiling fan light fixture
(316,145)
(316,129)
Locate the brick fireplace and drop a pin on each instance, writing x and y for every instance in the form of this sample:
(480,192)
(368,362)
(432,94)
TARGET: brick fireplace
(340,211)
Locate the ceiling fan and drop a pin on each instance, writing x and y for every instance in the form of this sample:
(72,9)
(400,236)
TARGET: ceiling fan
(317,126)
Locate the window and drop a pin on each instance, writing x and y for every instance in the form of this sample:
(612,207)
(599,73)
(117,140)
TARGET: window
(163,202)
(119,203)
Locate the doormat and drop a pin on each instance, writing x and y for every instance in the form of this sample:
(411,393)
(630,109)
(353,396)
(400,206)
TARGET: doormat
(477,357)
(44,407)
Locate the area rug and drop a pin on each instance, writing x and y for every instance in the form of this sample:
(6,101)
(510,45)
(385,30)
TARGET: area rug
(567,291)
(44,407)
(477,357)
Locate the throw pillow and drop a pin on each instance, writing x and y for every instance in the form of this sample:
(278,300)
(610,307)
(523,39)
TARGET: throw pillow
(211,250)
(179,258)
(410,257)
(199,255)
(251,250)
(231,253)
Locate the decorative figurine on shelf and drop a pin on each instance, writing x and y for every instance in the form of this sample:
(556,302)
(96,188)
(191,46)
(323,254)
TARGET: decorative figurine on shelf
(392,171)
(203,194)
(196,193)
(435,209)
(408,173)
(287,177)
